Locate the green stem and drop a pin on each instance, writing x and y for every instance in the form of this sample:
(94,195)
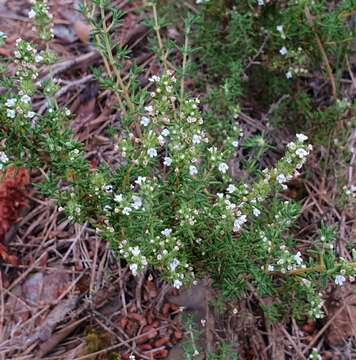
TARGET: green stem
(160,42)
(317,268)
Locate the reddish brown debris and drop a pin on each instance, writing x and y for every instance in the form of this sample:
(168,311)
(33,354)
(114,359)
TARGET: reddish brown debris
(12,200)
(155,332)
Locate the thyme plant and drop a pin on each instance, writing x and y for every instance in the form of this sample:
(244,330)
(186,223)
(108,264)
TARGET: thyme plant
(172,204)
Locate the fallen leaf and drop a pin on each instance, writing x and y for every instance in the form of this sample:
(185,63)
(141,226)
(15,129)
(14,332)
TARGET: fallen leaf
(342,309)
(82,30)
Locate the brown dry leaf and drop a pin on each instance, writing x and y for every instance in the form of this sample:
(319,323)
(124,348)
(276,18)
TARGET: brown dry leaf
(30,314)
(65,33)
(343,324)
(5,52)
(38,290)
(82,30)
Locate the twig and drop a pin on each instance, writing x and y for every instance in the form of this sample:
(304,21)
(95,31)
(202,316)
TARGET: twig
(29,269)
(57,337)
(322,51)
(317,268)
(138,291)
(64,89)
(259,51)
(93,270)
(132,349)
(351,73)
(285,332)
(160,42)
(184,65)
(122,290)
(275,106)
(321,332)
(69,64)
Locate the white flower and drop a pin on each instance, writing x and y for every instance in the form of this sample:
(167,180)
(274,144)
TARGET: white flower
(281,179)
(3,157)
(230,205)
(289,74)
(31,14)
(339,279)
(166,232)
(298,258)
(231,188)
(30,114)
(126,211)
(301,153)
(149,109)
(256,212)
(283,51)
(161,140)
(239,222)
(118,198)
(280,28)
(177,284)
(235,143)
(174,264)
(108,189)
(152,152)
(132,357)
(301,137)
(223,167)
(270,268)
(167,161)
(25,99)
(140,180)
(191,119)
(135,251)
(10,102)
(10,113)
(260,2)
(196,139)
(145,121)
(154,78)
(137,202)
(193,170)
(38,58)
(165,132)
(133,268)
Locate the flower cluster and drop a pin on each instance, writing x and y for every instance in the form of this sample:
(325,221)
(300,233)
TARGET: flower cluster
(172,166)
(345,272)
(295,58)
(26,57)
(42,18)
